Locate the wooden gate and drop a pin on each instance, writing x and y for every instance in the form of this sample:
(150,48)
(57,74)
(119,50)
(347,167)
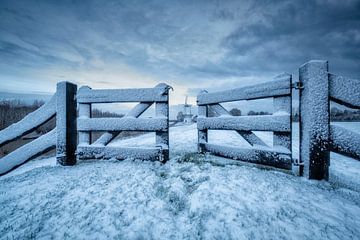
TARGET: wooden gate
(130,122)
(278,155)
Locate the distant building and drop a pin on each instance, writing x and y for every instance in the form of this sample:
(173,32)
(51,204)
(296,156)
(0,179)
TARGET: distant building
(188,116)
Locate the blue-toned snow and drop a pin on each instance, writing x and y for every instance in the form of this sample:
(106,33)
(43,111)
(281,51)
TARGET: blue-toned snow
(190,197)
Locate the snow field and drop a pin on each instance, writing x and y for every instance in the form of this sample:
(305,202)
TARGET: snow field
(190,197)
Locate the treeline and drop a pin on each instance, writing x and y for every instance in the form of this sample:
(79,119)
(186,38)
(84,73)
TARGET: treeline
(15,110)
(336,114)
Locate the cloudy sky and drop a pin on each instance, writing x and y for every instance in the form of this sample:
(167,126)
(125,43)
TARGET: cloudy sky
(190,45)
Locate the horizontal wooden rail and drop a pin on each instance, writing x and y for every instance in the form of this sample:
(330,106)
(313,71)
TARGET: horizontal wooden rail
(275,88)
(121,95)
(120,153)
(122,124)
(344,141)
(278,123)
(29,123)
(31,150)
(345,91)
(279,159)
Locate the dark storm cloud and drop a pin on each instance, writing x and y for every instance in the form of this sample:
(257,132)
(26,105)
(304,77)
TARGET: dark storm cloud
(197,44)
(295,31)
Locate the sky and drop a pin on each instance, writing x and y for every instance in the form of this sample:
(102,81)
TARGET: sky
(191,45)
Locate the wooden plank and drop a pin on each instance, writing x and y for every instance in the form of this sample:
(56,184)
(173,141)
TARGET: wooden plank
(28,151)
(29,123)
(249,136)
(121,95)
(120,153)
(345,91)
(84,112)
(66,137)
(314,119)
(162,137)
(264,156)
(123,124)
(345,142)
(202,133)
(283,104)
(278,123)
(278,87)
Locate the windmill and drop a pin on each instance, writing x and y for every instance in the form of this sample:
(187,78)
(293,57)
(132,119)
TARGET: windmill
(187,112)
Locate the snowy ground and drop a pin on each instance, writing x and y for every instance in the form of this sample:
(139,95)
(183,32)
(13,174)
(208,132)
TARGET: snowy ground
(191,197)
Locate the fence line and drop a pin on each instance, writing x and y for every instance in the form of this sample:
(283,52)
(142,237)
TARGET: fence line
(317,135)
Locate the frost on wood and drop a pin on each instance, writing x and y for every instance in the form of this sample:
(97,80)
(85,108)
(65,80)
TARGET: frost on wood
(280,123)
(345,142)
(122,124)
(84,112)
(345,91)
(120,153)
(202,134)
(121,95)
(282,105)
(29,123)
(66,138)
(28,151)
(265,156)
(278,87)
(314,121)
(249,136)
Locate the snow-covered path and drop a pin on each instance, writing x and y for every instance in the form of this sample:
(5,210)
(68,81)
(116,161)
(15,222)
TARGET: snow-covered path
(190,197)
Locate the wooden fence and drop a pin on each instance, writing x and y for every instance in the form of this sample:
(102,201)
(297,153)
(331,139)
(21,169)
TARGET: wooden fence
(64,137)
(278,155)
(317,135)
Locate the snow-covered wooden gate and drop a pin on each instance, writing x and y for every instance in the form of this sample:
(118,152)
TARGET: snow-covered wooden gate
(130,122)
(317,136)
(278,155)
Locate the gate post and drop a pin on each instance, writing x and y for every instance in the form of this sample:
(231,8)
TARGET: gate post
(202,134)
(162,110)
(314,119)
(66,132)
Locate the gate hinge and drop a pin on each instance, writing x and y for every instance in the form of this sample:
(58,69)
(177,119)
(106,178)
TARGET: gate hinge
(297,85)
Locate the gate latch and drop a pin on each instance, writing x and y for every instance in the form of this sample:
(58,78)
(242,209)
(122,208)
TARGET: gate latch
(297,85)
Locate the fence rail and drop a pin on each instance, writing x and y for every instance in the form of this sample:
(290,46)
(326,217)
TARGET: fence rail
(29,123)
(277,87)
(279,155)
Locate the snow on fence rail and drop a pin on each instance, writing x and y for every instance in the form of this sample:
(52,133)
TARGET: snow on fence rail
(317,135)
(279,122)
(147,96)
